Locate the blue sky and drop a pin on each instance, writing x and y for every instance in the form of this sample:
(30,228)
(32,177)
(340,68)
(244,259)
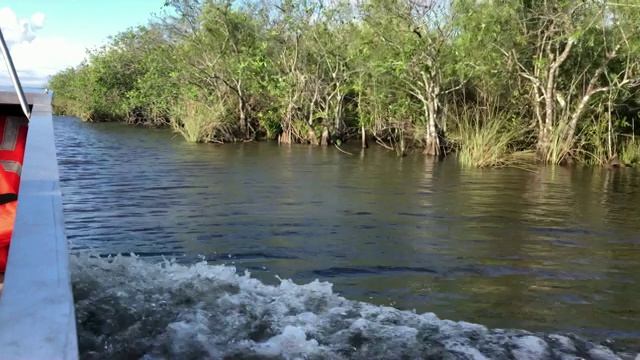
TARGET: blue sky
(46,36)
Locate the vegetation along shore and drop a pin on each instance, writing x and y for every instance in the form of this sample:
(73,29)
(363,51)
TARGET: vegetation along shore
(495,82)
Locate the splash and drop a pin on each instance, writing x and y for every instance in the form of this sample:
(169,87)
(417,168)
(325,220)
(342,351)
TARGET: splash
(131,308)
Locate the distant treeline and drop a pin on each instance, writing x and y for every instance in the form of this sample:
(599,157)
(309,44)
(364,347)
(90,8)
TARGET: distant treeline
(494,81)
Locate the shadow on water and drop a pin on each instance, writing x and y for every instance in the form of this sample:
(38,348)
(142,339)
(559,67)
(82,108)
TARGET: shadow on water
(550,250)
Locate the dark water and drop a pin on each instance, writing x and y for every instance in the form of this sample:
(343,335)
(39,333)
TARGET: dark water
(549,251)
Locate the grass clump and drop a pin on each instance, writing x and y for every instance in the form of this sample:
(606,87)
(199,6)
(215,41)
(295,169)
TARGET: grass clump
(630,152)
(197,121)
(486,138)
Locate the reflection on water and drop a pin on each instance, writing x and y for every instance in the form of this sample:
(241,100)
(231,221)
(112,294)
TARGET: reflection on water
(553,249)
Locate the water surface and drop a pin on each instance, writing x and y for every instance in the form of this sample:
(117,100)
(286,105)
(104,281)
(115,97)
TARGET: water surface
(553,250)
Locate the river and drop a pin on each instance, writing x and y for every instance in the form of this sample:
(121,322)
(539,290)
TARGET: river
(548,251)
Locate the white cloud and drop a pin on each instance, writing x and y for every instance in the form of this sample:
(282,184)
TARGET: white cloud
(35,57)
(37,20)
(14,30)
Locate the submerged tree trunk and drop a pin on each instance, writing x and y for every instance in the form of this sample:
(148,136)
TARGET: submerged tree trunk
(285,137)
(313,138)
(402,148)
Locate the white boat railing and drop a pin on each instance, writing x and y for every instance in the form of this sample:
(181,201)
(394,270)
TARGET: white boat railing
(14,76)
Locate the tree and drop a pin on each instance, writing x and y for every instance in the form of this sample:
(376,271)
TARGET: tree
(582,35)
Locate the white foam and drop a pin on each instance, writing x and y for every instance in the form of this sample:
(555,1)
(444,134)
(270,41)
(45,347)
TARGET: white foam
(292,343)
(563,342)
(127,307)
(529,348)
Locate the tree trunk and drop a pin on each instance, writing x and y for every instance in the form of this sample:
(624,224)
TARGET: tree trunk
(244,129)
(544,138)
(610,128)
(364,138)
(544,143)
(432,142)
(286,137)
(242,110)
(325,137)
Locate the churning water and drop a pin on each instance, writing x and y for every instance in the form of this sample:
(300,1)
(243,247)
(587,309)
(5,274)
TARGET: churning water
(555,252)
(132,309)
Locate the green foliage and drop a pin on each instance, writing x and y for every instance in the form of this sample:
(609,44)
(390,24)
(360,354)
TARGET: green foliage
(223,71)
(131,79)
(270,124)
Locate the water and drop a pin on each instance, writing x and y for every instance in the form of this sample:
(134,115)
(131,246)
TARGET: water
(550,251)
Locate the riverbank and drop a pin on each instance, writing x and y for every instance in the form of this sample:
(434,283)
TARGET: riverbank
(486,146)
(442,79)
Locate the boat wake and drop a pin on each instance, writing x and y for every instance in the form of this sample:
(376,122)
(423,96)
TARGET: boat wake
(129,308)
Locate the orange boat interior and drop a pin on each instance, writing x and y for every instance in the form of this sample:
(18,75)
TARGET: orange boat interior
(13,128)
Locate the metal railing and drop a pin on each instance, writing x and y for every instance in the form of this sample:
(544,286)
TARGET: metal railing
(14,76)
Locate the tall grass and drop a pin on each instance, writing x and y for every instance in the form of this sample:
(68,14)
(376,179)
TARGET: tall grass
(486,137)
(592,143)
(630,152)
(197,121)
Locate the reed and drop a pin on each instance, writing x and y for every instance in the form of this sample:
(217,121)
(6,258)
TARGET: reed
(486,138)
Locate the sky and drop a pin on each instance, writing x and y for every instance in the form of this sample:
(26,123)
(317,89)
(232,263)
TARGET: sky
(46,36)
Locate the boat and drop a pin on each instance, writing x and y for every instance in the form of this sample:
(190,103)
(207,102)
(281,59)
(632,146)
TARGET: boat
(37,315)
